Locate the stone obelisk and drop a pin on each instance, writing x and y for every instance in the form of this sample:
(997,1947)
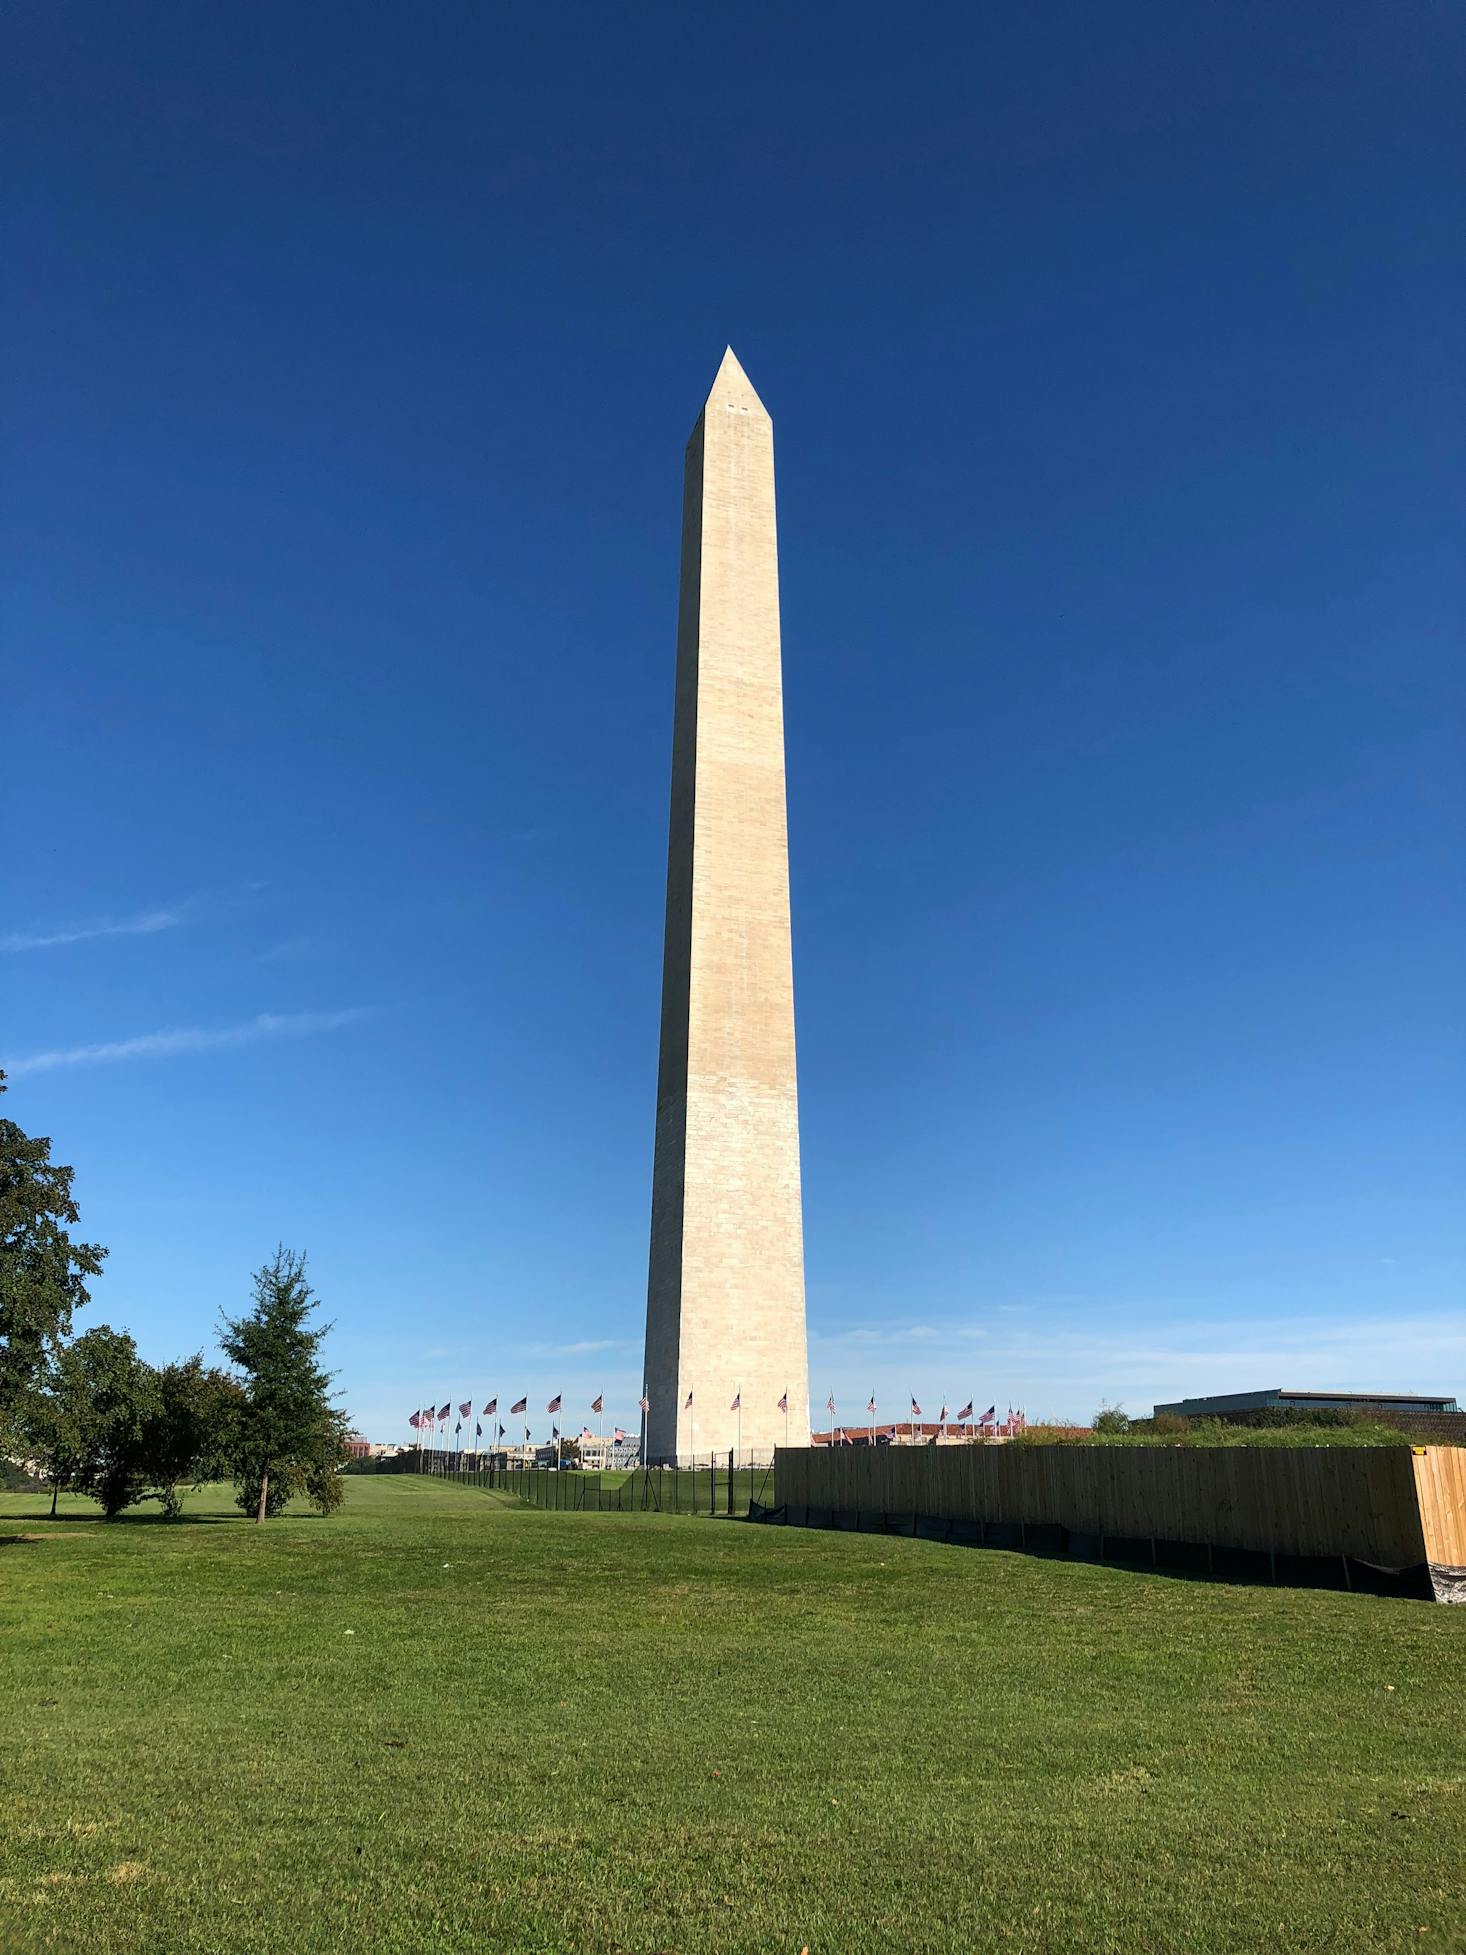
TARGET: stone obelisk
(725,1294)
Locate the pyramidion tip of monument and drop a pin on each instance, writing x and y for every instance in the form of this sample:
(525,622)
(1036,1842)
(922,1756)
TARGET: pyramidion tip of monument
(732,386)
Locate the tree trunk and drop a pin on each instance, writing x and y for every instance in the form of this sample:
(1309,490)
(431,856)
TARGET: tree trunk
(55,1490)
(264,1495)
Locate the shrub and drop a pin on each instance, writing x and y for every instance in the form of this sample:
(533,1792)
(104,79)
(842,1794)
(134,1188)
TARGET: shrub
(118,1485)
(285,1481)
(325,1486)
(1169,1425)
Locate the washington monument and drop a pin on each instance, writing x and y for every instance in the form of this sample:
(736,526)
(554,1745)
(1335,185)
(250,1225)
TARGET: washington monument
(725,1292)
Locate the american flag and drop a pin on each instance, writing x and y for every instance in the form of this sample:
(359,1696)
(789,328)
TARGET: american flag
(688,1406)
(517,1407)
(416,1421)
(598,1403)
(784,1403)
(989,1416)
(554,1404)
(465,1408)
(645,1404)
(737,1405)
(942,1416)
(966,1412)
(871,1406)
(491,1408)
(830,1405)
(444,1410)
(618,1437)
(915,1409)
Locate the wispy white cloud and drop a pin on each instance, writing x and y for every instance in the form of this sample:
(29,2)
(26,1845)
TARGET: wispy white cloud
(289,947)
(189,1039)
(145,924)
(866,1336)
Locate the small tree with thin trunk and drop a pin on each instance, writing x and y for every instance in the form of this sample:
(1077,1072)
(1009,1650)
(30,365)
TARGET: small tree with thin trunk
(287,1435)
(189,1436)
(86,1422)
(51,1422)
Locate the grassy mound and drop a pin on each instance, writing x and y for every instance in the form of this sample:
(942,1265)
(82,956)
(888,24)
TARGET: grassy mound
(444,1721)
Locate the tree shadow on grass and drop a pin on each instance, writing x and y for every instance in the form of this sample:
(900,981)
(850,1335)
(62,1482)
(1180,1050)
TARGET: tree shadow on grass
(177,1520)
(129,1518)
(43,1517)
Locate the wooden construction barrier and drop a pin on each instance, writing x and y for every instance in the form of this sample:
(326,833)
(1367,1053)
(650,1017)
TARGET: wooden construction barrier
(1394,1510)
(1440,1487)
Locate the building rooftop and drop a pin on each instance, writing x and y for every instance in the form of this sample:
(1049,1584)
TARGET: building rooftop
(1284,1395)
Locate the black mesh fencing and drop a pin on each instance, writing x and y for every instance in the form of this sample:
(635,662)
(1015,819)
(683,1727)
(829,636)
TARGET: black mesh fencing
(717,1488)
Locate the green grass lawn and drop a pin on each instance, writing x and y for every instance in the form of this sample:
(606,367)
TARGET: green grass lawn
(446,1722)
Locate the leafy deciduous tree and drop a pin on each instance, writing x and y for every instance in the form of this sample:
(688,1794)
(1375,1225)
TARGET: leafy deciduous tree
(86,1422)
(42,1271)
(190,1433)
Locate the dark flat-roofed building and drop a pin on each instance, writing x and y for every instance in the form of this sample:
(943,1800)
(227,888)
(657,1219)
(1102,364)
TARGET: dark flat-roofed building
(1220,1404)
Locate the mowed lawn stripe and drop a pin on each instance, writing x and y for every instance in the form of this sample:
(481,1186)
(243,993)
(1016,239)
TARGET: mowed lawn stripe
(442,1720)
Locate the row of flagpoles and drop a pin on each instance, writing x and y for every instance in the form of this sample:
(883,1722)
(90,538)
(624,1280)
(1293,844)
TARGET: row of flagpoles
(985,1423)
(426,1419)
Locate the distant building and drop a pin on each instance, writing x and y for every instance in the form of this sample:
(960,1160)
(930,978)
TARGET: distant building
(919,1432)
(596,1453)
(1222,1405)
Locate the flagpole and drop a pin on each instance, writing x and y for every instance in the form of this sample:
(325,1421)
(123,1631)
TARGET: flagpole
(738,1445)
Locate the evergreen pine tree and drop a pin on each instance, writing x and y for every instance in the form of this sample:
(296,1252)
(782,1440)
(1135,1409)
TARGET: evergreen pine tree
(287,1435)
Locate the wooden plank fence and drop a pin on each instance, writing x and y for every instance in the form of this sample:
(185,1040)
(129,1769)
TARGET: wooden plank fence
(1440,1486)
(1387,1507)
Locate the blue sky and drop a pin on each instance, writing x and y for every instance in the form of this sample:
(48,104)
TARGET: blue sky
(1115,362)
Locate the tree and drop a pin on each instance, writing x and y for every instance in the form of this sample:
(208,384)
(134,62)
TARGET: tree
(42,1271)
(287,1437)
(86,1422)
(51,1420)
(1112,1418)
(189,1435)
